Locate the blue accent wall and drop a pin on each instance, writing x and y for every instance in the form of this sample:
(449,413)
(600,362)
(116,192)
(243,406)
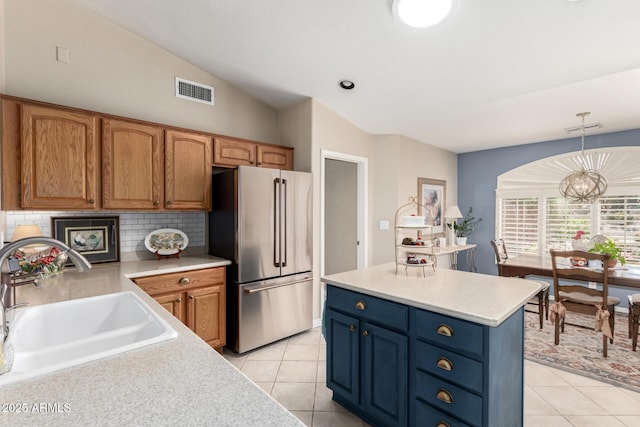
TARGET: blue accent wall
(478,172)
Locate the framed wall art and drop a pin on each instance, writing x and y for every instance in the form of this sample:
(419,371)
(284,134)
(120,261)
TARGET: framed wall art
(96,238)
(431,195)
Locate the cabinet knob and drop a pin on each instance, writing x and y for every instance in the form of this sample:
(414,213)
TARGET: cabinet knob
(178,301)
(91,201)
(190,297)
(360,305)
(442,424)
(445,330)
(169,202)
(444,396)
(156,203)
(352,328)
(365,333)
(444,363)
(184,281)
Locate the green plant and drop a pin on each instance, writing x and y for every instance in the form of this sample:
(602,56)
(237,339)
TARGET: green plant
(465,227)
(609,247)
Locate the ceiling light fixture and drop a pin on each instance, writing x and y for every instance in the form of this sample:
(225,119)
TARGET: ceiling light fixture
(347,84)
(585,185)
(422,13)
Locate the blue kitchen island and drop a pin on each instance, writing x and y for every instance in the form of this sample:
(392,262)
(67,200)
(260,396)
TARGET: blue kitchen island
(442,350)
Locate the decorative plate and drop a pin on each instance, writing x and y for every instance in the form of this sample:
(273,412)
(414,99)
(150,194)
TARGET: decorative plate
(166,241)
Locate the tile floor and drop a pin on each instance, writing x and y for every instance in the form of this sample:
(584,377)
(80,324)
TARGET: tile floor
(292,371)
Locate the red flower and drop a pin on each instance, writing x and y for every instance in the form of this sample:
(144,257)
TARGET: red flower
(579,235)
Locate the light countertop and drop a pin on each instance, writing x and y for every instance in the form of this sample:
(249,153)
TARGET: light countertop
(484,299)
(182,381)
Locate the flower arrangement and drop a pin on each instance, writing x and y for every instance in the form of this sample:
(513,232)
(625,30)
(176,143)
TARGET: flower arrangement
(579,243)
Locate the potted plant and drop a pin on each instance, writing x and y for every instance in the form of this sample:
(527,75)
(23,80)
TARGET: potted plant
(464,228)
(609,247)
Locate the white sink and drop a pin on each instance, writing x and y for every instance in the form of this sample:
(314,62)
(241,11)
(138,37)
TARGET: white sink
(50,337)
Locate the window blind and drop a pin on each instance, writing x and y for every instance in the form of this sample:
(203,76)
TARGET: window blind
(518,225)
(619,219)
(563,221)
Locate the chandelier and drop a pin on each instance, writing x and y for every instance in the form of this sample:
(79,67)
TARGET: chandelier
(585,185)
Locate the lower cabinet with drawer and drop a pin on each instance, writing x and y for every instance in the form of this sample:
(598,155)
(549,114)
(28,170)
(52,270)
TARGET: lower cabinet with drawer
(395,365)
(367,356)
(196,298)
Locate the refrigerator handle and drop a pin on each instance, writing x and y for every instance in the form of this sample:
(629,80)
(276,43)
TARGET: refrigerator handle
(284,187)
(276,262)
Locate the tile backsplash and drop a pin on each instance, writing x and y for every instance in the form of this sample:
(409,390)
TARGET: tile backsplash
(134,226)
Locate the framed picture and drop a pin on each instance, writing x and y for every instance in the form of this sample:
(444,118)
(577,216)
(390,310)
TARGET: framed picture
(96,238)
(431,195)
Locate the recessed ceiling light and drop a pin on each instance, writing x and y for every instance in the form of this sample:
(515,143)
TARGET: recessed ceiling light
(347,84)
(422,13)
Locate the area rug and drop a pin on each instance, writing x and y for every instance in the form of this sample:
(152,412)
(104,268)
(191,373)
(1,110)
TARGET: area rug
(580,350)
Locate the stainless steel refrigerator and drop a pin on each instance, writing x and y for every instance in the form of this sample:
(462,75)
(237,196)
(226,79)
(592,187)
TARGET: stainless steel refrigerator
(261,220)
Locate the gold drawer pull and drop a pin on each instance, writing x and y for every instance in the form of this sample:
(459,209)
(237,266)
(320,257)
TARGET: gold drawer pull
(184,281)
(445,330)
(352,328)
(444,396)
(360,305)
(444,363)
(365,333)
(442,424)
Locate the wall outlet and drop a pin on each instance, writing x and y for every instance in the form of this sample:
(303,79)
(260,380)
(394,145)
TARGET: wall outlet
(592,285)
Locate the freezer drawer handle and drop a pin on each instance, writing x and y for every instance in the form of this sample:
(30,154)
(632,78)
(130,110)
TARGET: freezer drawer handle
(266,288)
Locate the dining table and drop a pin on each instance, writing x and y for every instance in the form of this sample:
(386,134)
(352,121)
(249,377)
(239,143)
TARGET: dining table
(525,265)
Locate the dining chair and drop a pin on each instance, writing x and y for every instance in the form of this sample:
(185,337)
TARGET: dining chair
(634,318)
(578,297)
(542,297)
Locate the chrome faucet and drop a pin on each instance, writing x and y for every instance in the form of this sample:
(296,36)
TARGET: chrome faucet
(80,262)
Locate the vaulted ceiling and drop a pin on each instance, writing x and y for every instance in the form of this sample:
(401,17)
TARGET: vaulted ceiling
(497,73)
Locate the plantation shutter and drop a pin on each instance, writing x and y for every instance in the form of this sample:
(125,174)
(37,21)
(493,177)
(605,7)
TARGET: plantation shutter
(620,221)
(518,225)
(563,221)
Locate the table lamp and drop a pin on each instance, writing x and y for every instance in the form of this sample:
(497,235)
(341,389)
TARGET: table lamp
(452,212)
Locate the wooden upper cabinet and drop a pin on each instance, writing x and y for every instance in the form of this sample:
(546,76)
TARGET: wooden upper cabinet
(132,165)
(232,152)
(59,158)
(271,156)
(187,170)
(235,152)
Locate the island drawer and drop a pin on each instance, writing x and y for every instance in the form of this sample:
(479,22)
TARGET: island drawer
(450,366)
(376,310)
(455,334)
(172,282)
(429,416)
(449,398)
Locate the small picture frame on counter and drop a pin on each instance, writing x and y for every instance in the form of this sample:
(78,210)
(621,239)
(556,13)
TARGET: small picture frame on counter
(96,238)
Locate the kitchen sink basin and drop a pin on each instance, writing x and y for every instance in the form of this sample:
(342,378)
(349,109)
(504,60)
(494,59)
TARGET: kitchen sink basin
(50,337)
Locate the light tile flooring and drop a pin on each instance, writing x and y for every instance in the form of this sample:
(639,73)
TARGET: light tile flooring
(292,371)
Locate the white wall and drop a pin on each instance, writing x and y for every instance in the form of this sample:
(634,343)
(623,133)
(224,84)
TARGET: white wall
(115,71)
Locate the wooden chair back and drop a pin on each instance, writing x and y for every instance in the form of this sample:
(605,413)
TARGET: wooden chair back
(501,253)
(567,271)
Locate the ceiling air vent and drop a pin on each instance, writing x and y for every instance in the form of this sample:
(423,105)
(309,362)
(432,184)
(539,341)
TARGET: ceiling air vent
(194,91)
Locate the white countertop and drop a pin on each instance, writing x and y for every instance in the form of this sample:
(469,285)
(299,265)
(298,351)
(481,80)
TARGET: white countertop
(487,300)
(177,382)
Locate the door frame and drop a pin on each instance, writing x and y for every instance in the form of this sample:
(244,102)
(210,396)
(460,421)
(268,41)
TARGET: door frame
(362,204)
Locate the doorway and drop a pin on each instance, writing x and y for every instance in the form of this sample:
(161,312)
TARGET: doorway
(343,237)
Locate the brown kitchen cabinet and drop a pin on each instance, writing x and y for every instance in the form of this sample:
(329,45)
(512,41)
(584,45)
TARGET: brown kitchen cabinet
(197,298)
(187,170)
(236,152)
(132,165)
(59,165)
